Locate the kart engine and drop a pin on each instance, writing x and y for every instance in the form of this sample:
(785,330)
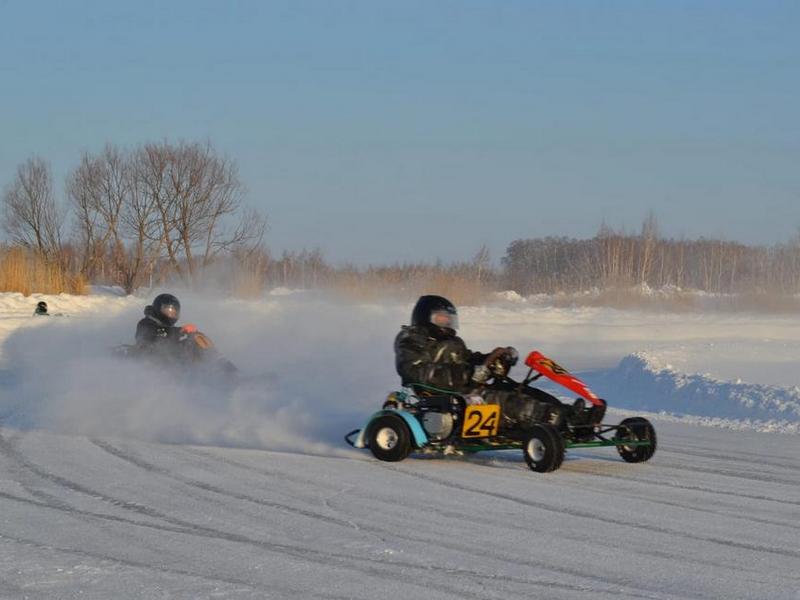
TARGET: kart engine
(437,425)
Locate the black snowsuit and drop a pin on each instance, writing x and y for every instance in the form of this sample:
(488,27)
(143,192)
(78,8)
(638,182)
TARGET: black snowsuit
(169,345)
(429,355)
(432,357)
(152,333)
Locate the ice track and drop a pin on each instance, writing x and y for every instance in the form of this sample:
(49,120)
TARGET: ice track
(715,514)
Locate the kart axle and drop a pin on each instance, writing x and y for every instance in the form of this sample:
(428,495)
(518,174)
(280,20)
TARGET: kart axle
(603,443)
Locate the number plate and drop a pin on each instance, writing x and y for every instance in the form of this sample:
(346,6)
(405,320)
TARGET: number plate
(481,420)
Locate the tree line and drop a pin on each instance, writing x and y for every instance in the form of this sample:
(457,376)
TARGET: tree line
(165,212)
(615,259)
(159,211)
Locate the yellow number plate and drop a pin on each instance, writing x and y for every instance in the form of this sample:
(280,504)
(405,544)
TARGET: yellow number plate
(481,420)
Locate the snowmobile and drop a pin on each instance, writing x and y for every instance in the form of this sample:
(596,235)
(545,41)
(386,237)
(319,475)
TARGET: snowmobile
(428,419)
(191,349)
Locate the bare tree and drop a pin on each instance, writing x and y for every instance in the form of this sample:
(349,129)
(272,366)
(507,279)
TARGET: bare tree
(99,189)
(481,262)
(649,238)
(87,220)
(116,218)
(170,208)
(31,217)
(140,226)
(196,194)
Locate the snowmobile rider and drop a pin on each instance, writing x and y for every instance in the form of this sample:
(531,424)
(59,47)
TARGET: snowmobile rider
(157,328)
(429,354)
(41,309)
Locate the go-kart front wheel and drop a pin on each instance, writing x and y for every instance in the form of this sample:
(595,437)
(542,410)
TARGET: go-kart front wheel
(636,429)
(543,448)
(388,438)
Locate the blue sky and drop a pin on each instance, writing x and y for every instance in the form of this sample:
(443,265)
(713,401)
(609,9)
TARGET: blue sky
(384,131)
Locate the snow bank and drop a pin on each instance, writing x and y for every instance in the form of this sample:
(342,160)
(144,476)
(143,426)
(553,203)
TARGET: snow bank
(643,381)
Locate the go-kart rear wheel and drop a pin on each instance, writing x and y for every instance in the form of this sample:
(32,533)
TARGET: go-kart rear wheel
(388,438)
(638,429)
(543,448)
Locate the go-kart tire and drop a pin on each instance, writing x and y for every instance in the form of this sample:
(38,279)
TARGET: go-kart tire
(389,439)
(543,448)
(641,429)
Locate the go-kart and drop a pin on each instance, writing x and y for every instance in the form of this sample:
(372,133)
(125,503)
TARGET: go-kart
(428,419)
(188,349)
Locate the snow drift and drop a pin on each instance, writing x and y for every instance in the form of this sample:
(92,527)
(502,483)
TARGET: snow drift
(642,381)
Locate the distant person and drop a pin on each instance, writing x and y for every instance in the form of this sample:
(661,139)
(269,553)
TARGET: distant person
(41,309)
(432,360)
(157,328)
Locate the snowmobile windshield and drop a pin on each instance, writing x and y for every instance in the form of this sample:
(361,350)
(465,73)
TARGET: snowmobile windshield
(445,319)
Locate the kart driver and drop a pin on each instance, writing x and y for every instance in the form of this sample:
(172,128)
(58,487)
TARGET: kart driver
(429,354)
(157,328)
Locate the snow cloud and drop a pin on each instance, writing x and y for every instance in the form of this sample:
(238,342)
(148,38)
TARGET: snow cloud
(311,370)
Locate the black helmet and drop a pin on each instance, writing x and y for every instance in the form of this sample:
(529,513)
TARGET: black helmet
(166,308)
(437,312)
(42,305)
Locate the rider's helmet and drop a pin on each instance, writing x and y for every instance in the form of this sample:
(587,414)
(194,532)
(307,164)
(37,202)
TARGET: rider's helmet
(167,308)
(435,311)
(41,307)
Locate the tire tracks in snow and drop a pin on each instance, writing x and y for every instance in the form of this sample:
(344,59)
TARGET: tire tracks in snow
(468,550)
(748,458)
(5,537)
(207,487)
(683,443)
(718,513)
(381,568)
(376,567)
(604,519)
(7,449)
(750,476)
(622,583)
(361,527)
(149,467)
(688,487)
(206,456)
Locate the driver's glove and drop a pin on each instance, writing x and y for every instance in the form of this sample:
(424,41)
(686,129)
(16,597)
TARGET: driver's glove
(513,355)
(494,355)
(481,374)
(474,399)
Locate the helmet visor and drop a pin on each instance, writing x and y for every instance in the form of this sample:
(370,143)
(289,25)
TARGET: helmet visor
(445,319)
(170,312)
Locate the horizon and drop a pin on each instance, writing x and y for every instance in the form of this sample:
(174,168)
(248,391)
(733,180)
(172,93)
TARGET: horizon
(387,134)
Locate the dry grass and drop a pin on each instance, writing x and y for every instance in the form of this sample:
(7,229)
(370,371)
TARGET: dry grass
(248,280)
(26,272)
(632,298)
(372,286)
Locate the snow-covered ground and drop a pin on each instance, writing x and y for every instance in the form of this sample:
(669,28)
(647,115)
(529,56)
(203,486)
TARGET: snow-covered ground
(117,480)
